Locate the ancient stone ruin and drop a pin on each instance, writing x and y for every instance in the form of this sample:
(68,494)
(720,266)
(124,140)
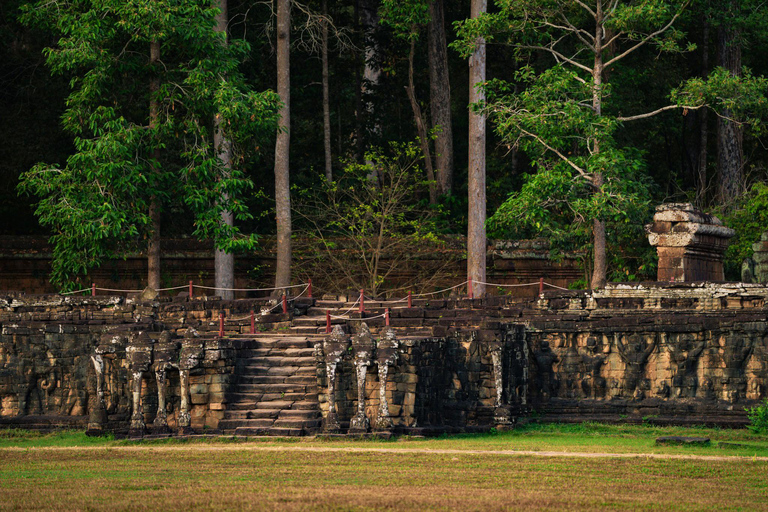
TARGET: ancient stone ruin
(690,243)
(674,353)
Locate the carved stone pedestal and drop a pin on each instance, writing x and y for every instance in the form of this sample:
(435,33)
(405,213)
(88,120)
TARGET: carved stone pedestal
(334,347)
(362,345)
(690,244)
(386,356)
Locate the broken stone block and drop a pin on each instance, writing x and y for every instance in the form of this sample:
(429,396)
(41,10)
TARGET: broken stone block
(690,243)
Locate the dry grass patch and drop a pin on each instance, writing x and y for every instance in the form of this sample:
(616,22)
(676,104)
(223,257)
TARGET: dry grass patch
(246,477)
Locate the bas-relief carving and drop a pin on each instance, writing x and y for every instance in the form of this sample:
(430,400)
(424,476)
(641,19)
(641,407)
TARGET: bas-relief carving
(593,357)
(544,358)
(634,350)
(685,350)
(362,346)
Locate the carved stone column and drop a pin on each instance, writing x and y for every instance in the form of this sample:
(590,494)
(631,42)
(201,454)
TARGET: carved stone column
(189,358)
(502,415)
(386,356)
(98,417)
(139,355)
(362,345)
(334,347)
(164,355)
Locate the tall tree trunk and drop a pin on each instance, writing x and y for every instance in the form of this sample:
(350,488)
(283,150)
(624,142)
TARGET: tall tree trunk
(282,146)
(701,182)
(421,128)
(730,156)
(326,98)
(476,241)
(369,17)
(224,263)
(153,248)
(440,97)
(599,264)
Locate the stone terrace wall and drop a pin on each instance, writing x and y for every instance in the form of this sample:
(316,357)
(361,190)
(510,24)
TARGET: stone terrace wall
(682,354)
(686,353)
(48,345)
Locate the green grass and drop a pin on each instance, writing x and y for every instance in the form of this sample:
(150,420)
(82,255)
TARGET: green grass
(67,470)
(230,476)
(582,437)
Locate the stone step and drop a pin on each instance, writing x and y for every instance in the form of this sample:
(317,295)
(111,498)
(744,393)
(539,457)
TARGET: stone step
(280,361)
(271,389)
(279,370)
(287,432)
(227,424)
(277,379)
(301,414)
(253,414)
(303,424)
(251,397)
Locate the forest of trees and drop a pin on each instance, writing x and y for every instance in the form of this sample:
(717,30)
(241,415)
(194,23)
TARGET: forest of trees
(124,121)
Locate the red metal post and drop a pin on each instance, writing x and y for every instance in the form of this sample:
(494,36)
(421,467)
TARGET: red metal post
(253,323)
(386,317)
(362,301)
(410,299)
(471,289)
(541,285)
(221,324)
(327,321)
(309,288)
(93,289)
(191,293)
(285,305)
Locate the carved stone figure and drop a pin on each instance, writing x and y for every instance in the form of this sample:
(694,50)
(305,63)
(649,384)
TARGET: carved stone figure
(735,349)
(189,359)
(571,368)
(593,358)
(362,345)
(544,359)
(164,357)
(139,354)
(334,347)
(634,350)
(386,356)
(684,351)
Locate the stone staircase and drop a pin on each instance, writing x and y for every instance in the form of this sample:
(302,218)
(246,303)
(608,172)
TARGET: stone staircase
(276,392)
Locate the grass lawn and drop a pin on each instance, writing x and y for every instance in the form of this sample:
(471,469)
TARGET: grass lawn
(70,471)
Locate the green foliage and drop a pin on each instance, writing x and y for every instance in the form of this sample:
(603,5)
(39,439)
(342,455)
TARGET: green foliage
(97,204)
(742,98)
(750,220)
(366,225)
(406,17)
(758,418)
(548,120)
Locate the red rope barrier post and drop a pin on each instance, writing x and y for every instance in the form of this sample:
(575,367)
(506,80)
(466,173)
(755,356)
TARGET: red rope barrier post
(253,323)
(386,317)
(471,289)
(93,289)
(362,301)
(410,299)
(309,288)
(285,305)
(191,293)
(221,324)
(327,321)
(541,285)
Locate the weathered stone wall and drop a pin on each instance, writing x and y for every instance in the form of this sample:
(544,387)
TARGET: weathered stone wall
(695,353)
(687,354)
(25,265)
(51,346)
(435,384)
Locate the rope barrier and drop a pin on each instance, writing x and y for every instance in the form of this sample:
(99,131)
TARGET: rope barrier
(558,287)
(76,291)
(508,285)
(248,289)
